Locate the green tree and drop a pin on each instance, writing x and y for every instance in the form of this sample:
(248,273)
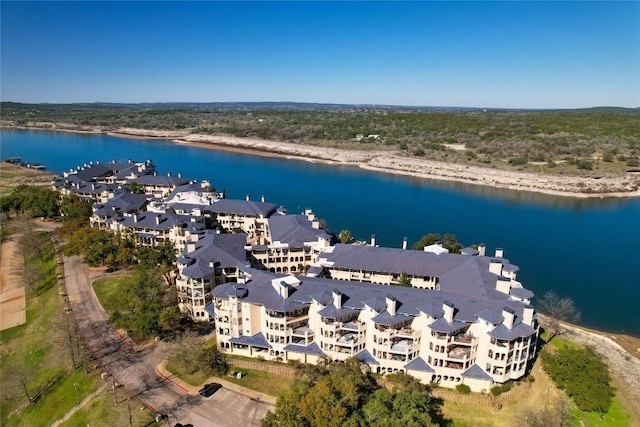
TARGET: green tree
(345,236)
(426,240)
(72,207)
(404,279)
(136,188)
(449,242)
(582,374)
(345,394)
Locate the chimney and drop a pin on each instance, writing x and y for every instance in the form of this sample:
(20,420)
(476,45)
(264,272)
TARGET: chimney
(315,224)
(158,220)
(191,247)
(217,230)
(392,304)
(310,215)
(499,252)
(179,174)
(481,249)
(211,263)
(495,266)
(448,308)
(509,316)
(503,285)
(404,243)
(373,240)
(248,197)
(527,315)
(155,173)
(169,174)
(337,298)
(135,217)
(262,199)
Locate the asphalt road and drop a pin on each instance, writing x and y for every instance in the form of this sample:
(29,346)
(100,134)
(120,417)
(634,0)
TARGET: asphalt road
(134,370)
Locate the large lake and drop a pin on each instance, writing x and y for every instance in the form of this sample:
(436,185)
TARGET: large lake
(588,249)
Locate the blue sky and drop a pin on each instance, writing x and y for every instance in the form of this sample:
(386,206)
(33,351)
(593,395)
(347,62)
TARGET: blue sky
(477,54)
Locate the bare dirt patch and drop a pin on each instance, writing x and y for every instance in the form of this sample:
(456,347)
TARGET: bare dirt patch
(12,290)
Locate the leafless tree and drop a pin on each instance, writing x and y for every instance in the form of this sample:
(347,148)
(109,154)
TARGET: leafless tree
(557,310)
(555,414)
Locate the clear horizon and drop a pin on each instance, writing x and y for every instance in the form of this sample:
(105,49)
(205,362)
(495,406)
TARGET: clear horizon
(513,55)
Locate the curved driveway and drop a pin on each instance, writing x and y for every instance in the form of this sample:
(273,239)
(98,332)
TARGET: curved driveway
(135,369)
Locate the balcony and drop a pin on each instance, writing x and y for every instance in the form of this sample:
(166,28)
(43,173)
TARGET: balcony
(460,353)
(302,332)
(405,332)
(463,339)
(348,339)
(402,346)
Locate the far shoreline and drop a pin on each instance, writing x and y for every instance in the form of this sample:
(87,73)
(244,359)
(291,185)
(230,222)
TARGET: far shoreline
(388,162)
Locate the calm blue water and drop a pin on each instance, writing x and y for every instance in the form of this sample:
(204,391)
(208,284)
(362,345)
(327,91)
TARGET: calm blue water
(586,249)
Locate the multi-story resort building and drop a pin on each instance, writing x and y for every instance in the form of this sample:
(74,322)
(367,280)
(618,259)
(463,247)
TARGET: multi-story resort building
(276,286)
(476,327)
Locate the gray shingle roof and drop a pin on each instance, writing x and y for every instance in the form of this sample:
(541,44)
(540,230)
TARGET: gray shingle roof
(257,340)
(160,180)
(419,364)
(366,357)
(476,372)
(123,202)
(249,208)
(312,349)
(294,230)
(463,275)
(156,221)
(442,325)
(411,300)
(521,293)
(520,330)
(387,319)
(226,250)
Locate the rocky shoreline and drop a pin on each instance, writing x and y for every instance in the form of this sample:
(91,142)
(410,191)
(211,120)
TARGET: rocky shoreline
(393,162)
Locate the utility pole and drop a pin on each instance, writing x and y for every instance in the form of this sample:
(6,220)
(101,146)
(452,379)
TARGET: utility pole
(75,386)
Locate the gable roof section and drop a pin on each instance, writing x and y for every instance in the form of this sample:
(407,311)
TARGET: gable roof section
(476,372)
(296,230)
(419,364)
(244,207)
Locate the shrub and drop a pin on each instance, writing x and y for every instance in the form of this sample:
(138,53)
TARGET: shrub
(419,152)
(633,162)
(518,161)
(496,390)
(585,165)
(463,388)
(582,374)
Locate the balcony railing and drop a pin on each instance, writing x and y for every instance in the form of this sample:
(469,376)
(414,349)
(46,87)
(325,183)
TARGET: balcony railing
(463,339)
(459,353)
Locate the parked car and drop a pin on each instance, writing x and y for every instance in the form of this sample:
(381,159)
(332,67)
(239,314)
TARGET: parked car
(209,389)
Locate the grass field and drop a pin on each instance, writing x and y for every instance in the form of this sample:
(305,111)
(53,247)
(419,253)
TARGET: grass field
(101,411)
(11,176)
(34,353)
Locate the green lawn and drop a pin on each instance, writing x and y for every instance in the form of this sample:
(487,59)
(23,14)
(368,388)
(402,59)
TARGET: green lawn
(101,411)
(262,381)
(108,291)
(617,416)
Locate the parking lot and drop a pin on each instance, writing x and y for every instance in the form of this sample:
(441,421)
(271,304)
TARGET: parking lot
(225,408)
